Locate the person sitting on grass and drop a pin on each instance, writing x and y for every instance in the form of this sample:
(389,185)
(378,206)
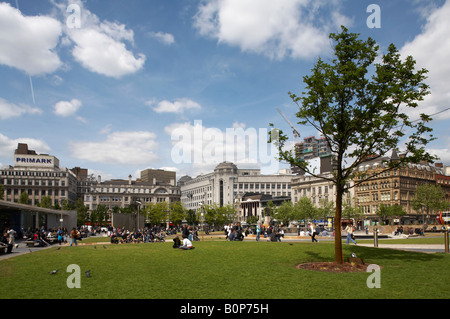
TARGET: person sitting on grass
(176,242)
(187,244)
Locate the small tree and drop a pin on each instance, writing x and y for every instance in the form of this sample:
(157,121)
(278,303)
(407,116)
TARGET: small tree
(284,213)
(360,107)
(305,210)
(429,198)
(46,202)
(177,213)
(390,212)
(82,212)
(24,199)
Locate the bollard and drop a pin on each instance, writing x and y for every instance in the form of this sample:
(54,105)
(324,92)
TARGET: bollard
(446,241)
(375,237)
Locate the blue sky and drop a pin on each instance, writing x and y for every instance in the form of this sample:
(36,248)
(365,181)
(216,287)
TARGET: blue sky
(110,93)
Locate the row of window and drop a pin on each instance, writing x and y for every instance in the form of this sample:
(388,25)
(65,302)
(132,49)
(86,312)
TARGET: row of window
(261,186)
(35,182)
(374,197)
(102,199)
(119,190)
(33,173)
(40,192)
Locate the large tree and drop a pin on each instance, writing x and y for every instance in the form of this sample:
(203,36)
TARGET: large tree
(360,105)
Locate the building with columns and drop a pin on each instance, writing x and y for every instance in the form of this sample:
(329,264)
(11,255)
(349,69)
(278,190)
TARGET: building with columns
(227,183)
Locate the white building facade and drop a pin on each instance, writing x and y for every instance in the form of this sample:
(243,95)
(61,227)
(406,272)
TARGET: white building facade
(226,182)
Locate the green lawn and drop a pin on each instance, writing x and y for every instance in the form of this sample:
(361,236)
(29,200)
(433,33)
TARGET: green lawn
(221,270)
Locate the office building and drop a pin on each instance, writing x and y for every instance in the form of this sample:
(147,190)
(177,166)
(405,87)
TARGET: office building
(227,181)
(38,175)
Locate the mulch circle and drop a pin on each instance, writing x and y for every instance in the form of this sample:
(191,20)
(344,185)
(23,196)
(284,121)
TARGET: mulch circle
(333,267)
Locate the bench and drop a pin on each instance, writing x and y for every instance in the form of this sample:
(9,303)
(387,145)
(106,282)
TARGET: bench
(31,243)
(3,249)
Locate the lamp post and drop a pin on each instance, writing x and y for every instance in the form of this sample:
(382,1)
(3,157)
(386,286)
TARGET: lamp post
(139,205)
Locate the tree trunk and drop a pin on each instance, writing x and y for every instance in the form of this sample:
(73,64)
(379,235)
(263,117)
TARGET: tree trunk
(338,254)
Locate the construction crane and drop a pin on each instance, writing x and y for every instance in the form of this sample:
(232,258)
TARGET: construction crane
(294,130)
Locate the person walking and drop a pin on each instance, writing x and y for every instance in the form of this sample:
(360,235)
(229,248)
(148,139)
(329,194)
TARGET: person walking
(258,232)
(74,235)
(350,230)
(312,226)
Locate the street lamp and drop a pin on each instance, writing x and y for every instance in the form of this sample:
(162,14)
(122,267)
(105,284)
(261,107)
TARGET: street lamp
(139,205)
(423,219)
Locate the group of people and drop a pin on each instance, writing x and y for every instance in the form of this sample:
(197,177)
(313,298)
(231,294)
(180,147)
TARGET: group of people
(146,235)
(8,239)
(187,233)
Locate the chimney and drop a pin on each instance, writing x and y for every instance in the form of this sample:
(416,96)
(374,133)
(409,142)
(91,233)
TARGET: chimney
(99,179)
(129,179)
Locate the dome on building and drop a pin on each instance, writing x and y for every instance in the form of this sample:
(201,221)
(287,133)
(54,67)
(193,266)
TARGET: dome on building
(226,167)
(183,180)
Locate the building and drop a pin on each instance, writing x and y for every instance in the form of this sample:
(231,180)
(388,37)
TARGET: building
(123,193)
(85,181)
(255,204)
(226,182)
(158,175)
(317,189)
(393,187)
(316,151)
(24,217)
(38,175)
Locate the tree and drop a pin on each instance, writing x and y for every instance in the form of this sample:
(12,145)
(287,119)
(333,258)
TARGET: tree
(351,210)
(360,107)
(326,209)
(99,215)
(304,209)
(191,217)
(219,216)
(390,212)
(177,213)
(284,213)
(82,212)
(157,213)
(429,198)
(270,210)
(24,199)
(2,191)
(46,202)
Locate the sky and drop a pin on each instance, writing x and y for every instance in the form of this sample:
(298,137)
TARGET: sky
(121,86)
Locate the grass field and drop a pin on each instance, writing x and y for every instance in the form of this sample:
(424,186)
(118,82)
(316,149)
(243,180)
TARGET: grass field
(221,270)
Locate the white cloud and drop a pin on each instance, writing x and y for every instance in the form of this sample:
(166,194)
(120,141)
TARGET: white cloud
(100,53)
(8,146)
(178,106)
(274,28)
(430,50)
(99,46)
(165,38)
(9,110)
(129,148)
(205,147)
(28,43)
(67,108)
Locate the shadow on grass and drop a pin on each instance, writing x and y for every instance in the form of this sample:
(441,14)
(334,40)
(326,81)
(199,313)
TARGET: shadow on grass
(384,254)
(377,255)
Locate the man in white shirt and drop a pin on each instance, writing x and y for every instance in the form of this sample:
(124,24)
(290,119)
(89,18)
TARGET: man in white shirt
(187,244)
